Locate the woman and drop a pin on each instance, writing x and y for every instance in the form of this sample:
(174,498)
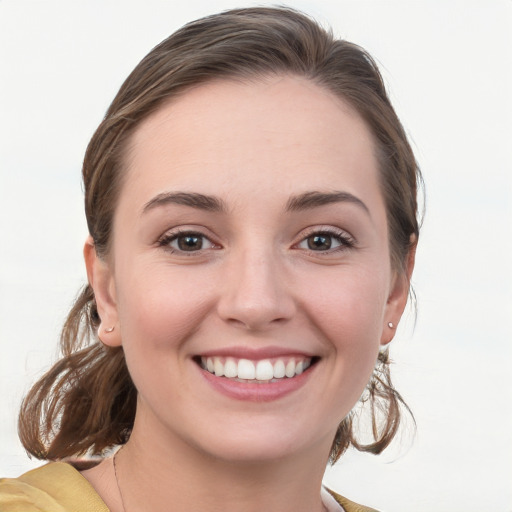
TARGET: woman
(251,203)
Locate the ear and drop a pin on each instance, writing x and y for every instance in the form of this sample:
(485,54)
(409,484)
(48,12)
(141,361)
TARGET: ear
(101,280)
(397,299)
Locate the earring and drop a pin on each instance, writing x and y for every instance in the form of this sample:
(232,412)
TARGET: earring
(107,330)
(391,325)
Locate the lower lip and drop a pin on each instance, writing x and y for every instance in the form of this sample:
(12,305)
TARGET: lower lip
(254,392)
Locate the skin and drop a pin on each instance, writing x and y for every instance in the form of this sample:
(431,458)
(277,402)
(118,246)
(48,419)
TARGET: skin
(254,284)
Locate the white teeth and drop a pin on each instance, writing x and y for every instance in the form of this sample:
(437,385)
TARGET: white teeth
(230,368)
(246,369)
(263,370)
(290,369)
(218,367)
(279,369)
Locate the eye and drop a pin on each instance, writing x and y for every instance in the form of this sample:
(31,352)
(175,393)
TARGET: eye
(186,241)
(326,241)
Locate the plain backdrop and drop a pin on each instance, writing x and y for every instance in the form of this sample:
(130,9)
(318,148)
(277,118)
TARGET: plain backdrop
(447,65)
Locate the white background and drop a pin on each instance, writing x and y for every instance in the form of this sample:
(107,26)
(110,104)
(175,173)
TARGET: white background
(447,64)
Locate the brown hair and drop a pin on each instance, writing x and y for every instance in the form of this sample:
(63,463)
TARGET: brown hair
(87,401)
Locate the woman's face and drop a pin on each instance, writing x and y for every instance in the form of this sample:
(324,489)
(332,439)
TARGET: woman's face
(250,240)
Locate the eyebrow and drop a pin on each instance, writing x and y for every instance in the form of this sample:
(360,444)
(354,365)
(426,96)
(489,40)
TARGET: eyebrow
(304,201)
(192,199)
(315,199)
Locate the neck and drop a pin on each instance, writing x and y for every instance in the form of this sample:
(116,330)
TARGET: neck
(154,474)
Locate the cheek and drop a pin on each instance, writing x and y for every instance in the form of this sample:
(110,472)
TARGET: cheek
(160,308)
(159,311)
(349,305)
(348,310)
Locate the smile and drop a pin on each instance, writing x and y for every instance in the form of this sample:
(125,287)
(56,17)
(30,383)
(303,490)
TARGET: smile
(262,371)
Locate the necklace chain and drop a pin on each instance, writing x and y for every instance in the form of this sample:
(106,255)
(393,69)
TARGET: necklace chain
(117,479)
(119,487)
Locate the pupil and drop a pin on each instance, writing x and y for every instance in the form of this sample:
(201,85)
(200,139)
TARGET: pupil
(318,242)
(190,243)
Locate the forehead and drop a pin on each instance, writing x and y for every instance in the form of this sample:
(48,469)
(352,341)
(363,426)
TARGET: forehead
(286,132)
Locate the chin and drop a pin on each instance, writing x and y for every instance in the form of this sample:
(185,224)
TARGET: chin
(263,442)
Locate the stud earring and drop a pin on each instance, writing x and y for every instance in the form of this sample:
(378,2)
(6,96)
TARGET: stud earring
(391,325)
(109,329)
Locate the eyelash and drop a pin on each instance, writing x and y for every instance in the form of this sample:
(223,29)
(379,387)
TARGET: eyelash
(166,240)
(343,238)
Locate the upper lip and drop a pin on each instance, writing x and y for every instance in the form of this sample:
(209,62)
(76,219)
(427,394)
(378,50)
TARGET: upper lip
(256,354)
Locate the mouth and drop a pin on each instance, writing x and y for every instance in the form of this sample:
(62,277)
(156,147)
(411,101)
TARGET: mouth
(262,371)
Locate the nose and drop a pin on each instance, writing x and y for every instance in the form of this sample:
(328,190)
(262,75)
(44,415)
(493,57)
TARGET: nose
(255,292)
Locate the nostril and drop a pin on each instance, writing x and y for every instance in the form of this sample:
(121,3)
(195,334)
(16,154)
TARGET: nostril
(256,299)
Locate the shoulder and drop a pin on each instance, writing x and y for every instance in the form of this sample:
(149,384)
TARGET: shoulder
(350,506)
(56,487)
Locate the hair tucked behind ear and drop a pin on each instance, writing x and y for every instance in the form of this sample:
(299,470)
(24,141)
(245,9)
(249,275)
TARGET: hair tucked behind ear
(86,402)
(385,402)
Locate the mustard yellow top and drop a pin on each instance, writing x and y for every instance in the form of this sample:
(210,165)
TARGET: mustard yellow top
(59,487)
(55,487)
